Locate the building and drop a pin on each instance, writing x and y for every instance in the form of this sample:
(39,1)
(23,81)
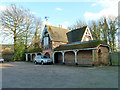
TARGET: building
(52,37)
(82,53)
(73,46)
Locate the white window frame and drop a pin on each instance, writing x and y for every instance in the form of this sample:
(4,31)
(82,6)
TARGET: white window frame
(46,41)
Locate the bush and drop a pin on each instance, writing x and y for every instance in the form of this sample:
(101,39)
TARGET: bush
(8,54)
(35,50)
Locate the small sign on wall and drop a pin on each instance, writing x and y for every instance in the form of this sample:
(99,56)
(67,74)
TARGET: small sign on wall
(49,50)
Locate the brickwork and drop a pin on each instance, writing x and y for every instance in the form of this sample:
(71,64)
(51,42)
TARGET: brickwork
(104,58)
(86,37)
(84,57)
(56,44)
(69,57)
(95,57)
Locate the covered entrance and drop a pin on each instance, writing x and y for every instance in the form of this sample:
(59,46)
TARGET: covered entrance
(58,57)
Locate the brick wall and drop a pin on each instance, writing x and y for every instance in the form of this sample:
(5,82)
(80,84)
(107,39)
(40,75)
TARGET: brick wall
(95,57)
(69,57)
(84,57)
(56,44)
(87,56)
(104,56)
(86,37)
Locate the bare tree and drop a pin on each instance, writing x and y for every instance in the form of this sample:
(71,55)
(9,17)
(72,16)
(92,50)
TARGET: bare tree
(29,26)
(78,24)
(112,32)
(37,33)
(15,20)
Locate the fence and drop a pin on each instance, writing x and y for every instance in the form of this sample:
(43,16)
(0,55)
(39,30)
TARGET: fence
(115,58)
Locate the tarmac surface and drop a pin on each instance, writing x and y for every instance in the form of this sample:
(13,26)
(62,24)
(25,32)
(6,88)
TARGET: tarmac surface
(29,75)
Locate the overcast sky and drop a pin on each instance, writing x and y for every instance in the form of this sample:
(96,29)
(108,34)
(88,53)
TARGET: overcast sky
(66,13)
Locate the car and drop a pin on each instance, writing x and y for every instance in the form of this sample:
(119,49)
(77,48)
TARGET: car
(42,59)
(1,60)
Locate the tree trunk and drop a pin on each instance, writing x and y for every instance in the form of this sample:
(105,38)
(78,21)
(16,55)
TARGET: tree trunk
(14,47)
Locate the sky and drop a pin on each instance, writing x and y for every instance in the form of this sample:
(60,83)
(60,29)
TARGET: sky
(64,12)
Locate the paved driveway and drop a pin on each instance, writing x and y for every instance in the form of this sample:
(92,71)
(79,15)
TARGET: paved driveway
(28,75)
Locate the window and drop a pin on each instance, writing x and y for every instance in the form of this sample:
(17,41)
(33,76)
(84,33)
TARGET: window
(87,39)
(46,41)
(44,57)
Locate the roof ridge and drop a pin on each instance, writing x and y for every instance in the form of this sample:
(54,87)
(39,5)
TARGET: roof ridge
(57,27)
(81,42)
(80,28)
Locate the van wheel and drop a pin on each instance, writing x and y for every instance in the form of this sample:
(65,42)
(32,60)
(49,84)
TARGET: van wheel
(42,63)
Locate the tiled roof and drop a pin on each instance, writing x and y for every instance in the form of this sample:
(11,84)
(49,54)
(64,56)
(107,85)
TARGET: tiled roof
(76,35)
(58,33)
(80,45)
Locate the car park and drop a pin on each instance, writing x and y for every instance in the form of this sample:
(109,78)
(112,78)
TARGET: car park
(42,59)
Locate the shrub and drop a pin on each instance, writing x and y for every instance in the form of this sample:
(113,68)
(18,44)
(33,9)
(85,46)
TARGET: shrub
(8,54)
(35,50)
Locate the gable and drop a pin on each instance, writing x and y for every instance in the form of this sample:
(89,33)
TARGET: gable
(76,35)
(46,39)
(45,33)
(87,36)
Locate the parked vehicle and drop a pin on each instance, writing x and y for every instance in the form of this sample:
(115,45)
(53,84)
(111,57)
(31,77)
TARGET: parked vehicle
(1,60)
(42,59)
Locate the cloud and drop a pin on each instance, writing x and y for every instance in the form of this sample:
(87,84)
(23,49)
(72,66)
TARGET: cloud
(109,9)
(33,12)
(94,4)
(2,7)
(58,9)
(105,12)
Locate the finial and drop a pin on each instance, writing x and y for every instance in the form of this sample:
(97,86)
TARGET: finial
(46,18)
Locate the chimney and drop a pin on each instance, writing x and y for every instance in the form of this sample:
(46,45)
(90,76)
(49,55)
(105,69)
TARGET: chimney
(60,26)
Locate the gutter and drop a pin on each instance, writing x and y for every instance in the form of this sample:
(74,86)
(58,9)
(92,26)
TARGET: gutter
(78,49)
